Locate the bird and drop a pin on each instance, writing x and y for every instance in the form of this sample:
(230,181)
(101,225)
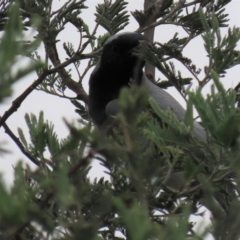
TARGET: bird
(115,69)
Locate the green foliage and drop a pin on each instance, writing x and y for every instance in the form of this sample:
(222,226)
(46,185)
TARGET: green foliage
(132,104)
(112,16)
(192,22)
(221,51)
(145,150)
(135,217)
(155,55)
(176,131)
(81,110)
(218,113)
(10,49)
(152,13)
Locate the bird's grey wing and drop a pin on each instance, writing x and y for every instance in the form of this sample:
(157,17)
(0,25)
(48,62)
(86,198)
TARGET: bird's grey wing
(112,108)
(166,101)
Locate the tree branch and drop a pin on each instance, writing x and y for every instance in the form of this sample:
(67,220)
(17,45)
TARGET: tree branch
(149,34)
(18,101)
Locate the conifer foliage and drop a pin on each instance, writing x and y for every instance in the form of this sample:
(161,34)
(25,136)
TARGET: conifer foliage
(58,200)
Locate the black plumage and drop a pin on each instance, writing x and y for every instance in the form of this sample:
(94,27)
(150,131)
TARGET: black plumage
(112,72)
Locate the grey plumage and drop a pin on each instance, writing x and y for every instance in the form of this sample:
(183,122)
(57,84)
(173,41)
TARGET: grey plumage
(166,101)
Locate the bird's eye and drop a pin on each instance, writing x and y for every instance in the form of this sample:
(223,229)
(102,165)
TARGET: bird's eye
(116,48)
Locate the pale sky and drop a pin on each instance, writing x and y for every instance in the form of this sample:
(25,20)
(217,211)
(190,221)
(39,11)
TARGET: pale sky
(55,109)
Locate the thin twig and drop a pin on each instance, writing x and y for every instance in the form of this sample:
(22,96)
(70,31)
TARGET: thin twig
(79,47)
(56,94)
(181,4)
(20,145)
(190,70)
(63,6)
(89,65)
(163,20)
(82,162)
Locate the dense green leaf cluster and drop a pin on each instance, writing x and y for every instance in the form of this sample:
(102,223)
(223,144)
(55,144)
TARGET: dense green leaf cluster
(112,16)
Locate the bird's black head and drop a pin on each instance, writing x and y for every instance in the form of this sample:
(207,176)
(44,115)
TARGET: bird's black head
(117,55)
